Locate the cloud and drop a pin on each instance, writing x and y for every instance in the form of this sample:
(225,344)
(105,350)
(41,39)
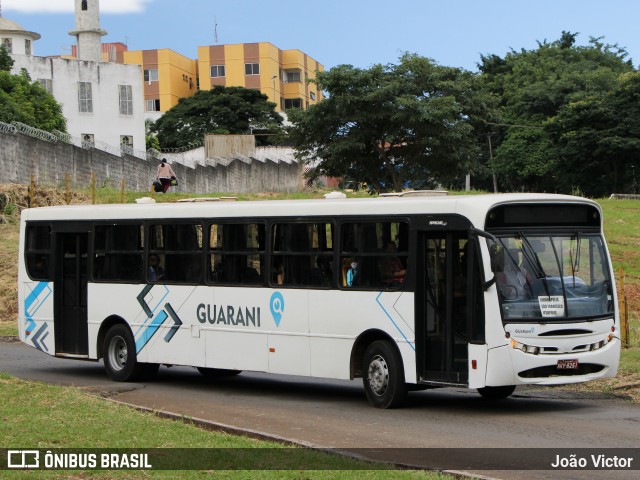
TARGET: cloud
(67,6)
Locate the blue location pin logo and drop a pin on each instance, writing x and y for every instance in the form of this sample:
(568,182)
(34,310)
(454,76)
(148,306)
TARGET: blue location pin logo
(277,307)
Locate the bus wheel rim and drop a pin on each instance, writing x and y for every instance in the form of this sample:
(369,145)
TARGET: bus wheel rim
(118,353)
(378,375)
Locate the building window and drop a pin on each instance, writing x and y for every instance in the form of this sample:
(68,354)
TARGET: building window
(293,76)
(126,100)
(84,5)
(47,84)
(126,144)
(292,103)
(152,105)
(85,102)
(217,71)
(88,140)
(27,47)
(312,95)
(151,75)
(6,42)
(252,69)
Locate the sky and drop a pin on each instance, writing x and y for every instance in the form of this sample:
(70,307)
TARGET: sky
(357,32)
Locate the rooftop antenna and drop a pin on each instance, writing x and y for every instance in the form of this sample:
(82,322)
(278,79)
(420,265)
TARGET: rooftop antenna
(215,29)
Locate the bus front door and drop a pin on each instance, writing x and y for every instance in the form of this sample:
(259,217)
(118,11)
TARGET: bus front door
(445,292)
(70,299)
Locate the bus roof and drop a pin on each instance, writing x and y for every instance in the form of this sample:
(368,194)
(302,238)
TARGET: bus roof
(474,207)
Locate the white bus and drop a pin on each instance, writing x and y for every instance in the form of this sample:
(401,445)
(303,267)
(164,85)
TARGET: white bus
(487,292)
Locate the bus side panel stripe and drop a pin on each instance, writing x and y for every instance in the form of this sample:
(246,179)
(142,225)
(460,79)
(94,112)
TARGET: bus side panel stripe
(394,323)
(31,301)
(151,329)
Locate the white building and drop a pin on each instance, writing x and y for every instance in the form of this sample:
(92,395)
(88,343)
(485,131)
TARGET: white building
(15,38)
(102,102)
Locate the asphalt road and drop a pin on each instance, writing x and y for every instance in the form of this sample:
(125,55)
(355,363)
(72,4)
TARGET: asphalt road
(335,414)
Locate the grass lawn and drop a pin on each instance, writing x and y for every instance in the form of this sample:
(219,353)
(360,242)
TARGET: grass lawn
(36,415)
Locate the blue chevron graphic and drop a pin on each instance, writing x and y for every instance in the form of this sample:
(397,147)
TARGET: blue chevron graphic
(33,302)
(35,338)
(176,323)
(150,330)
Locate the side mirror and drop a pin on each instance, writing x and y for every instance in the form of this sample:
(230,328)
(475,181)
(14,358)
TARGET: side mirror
(496,251)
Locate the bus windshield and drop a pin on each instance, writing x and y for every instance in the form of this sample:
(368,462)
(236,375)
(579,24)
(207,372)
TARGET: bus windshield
(552,277)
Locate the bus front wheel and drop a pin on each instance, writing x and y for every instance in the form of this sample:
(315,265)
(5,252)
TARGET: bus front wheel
(383,375)
(120,360)
(497,393)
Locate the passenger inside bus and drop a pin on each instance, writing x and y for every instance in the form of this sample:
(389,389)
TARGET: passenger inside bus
(156,272)
(391,268)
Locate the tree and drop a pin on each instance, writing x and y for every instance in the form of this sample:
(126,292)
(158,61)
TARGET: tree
(535,86)
(22,100)
(388,125)
(597,139)
(6,62)
(223,110)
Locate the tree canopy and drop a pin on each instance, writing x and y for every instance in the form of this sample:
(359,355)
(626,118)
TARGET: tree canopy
(393,124)
(22,100)
(234,110)
(558,117)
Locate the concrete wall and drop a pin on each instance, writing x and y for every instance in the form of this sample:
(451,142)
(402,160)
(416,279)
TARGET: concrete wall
(22,156)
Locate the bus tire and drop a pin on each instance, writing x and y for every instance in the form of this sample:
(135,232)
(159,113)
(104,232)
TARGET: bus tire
(497,393)
(217,372)
(383,375)
(120,360)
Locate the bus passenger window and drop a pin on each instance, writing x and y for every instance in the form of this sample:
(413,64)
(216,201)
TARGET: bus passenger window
(179,250)
(118,253)
(303,254)
(236,253)
(37,248)
(379,251)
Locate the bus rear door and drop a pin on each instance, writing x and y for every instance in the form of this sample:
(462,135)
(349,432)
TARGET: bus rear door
(70,287)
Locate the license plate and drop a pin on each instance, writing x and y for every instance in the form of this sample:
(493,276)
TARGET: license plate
(568,364)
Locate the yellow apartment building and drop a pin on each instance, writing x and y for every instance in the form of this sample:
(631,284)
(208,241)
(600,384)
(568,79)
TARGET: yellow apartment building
(282,75)
(168,77)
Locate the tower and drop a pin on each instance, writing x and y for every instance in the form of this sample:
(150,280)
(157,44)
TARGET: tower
(88,32)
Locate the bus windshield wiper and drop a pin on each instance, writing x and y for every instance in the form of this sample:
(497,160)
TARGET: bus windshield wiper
(531,256)
(575,261)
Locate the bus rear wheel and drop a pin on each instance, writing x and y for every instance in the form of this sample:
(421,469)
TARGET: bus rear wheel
(217,372)
(497,393)
(383,375)
(120,360)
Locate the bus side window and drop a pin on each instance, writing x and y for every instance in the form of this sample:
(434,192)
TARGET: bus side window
(302,254)
(374,255)
(37,248)
(236,253)
(118,252)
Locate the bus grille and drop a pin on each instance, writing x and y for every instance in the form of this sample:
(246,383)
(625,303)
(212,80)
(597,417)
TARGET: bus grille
(552,371)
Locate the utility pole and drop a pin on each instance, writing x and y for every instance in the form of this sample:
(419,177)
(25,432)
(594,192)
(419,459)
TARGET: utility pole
(493,173)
